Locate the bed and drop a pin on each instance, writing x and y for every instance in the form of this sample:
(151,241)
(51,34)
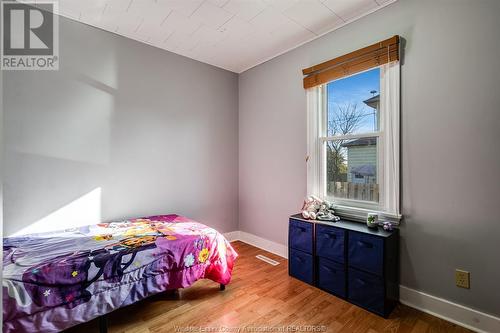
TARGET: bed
(56,280)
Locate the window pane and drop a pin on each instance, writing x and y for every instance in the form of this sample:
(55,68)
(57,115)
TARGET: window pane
(353,104)
(351,167)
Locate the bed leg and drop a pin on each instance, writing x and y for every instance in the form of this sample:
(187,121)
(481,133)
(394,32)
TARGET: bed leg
(222,287)
(172,294)
(103,324)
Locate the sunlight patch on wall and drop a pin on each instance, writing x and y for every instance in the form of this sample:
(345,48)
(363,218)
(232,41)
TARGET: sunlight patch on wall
(80,212)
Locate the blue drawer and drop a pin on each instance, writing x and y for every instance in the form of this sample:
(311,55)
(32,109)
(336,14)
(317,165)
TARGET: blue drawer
(301,266)
(301,236)
(331,277)
(366,252)
(366,290)
(330,242)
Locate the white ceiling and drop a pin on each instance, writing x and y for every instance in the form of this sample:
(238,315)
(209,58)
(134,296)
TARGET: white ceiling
(232,34)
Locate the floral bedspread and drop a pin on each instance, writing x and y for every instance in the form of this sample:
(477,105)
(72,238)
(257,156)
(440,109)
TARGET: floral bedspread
(55,280)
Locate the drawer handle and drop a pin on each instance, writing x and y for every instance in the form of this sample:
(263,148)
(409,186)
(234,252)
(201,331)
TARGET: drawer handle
(365,244)
(361,282)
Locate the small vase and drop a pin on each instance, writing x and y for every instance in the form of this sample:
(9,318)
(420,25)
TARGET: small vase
(372,220)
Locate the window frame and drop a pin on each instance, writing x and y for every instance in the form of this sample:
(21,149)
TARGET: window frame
(350,208)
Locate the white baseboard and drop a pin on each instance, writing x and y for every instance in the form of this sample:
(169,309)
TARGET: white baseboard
(452,312)
(262,243)
(232,235)
(441,308)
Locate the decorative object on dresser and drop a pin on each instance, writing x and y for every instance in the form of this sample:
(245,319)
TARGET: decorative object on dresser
(372,220)
(315,208)
(347,259)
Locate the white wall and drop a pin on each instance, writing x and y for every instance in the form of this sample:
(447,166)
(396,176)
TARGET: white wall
(121,130)
(450,131)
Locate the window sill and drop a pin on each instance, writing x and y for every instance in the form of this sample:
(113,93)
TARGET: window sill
(360,214)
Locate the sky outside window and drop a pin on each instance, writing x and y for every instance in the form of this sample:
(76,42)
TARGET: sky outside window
(347,112)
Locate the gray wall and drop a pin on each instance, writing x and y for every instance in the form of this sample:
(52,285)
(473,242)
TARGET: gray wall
(450,134)
(154,131)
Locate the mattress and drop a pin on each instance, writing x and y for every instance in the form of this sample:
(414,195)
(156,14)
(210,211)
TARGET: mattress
(56,280)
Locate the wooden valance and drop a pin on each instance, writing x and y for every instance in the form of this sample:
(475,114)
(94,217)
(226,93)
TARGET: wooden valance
(363,59)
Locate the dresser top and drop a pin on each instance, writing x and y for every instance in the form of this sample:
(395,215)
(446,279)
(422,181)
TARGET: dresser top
(349,225)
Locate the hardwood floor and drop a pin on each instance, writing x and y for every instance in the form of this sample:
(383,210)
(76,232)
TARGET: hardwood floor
(261,296)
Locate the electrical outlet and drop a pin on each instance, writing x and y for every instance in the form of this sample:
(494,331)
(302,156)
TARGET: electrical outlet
(462,279)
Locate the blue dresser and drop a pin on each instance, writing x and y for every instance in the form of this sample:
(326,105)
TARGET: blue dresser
(346,259)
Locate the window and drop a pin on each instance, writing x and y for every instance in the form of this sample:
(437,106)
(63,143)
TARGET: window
(353,134)
(349,137)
